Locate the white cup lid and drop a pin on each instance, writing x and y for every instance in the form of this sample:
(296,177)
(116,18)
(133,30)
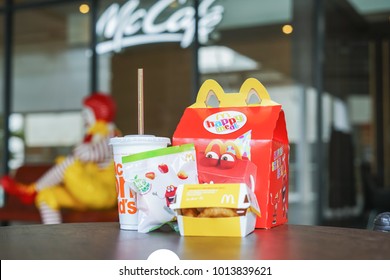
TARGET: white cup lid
(137,139)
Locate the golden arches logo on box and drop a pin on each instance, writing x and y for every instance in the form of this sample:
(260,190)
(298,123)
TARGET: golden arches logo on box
(228,199)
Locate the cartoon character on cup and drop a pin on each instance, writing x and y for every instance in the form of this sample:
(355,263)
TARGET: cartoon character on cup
(85,179)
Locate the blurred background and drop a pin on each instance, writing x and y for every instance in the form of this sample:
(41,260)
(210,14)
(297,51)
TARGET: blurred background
(326,61)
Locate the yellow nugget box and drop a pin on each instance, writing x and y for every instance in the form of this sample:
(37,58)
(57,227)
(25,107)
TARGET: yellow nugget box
(215,209)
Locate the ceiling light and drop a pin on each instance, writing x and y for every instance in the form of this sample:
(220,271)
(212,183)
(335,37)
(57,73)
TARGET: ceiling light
(84,8)
(287,29)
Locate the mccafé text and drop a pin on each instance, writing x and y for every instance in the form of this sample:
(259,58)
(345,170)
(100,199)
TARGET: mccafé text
(131,25)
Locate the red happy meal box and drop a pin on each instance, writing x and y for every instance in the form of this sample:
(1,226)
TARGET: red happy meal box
(241,138)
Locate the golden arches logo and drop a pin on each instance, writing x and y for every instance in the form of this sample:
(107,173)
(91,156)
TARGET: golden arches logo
(189,157)
(227,199)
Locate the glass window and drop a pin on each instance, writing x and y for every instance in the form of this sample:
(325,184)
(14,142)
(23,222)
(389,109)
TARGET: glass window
(127,42)
(254,39)
(54,39)
(51,74)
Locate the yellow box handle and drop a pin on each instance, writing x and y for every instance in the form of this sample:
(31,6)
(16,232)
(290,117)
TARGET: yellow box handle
(252,93)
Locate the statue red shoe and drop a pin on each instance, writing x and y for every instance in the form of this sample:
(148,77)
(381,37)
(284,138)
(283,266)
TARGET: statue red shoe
(25,193)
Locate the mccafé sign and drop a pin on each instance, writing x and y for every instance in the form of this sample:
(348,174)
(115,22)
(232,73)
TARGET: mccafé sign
(129,25)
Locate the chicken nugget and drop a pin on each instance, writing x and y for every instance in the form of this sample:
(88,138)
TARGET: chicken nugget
(190,212)
(217,212)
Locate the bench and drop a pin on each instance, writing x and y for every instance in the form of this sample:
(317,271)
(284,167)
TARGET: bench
(15,211)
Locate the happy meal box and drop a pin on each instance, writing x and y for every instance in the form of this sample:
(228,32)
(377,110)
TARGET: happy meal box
(215,209)
(241,138)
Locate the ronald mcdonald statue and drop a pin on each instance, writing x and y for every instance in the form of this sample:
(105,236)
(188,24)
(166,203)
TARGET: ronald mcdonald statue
(85,179)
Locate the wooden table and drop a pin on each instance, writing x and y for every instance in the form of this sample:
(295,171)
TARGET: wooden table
(104,241)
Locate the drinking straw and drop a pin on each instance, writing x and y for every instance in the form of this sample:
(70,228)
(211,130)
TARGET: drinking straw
(140,101)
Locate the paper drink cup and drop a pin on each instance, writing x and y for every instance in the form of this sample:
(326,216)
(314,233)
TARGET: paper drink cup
(127,200)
